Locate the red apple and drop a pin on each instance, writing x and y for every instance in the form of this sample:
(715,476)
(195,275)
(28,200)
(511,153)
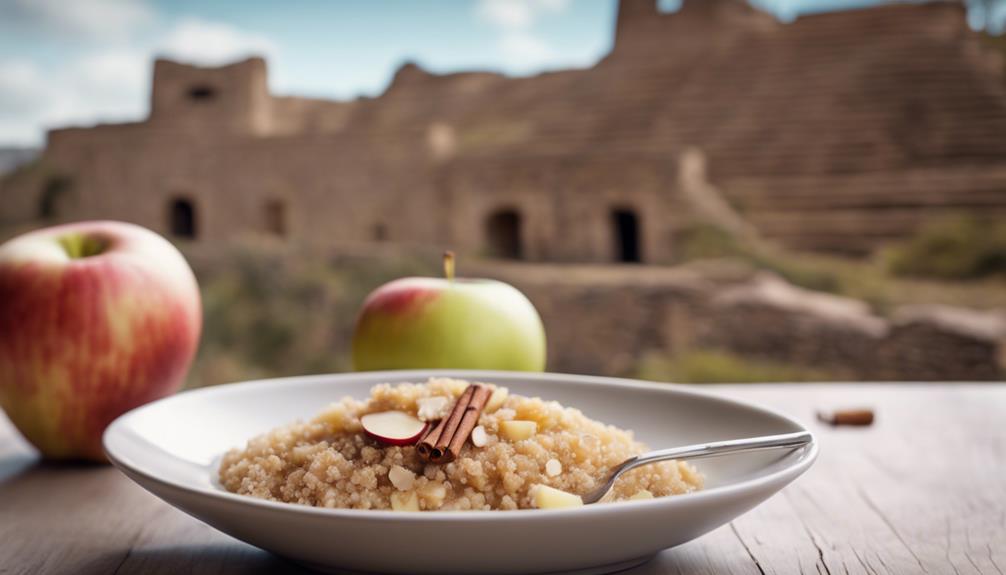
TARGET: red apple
(96,318)
(393,427)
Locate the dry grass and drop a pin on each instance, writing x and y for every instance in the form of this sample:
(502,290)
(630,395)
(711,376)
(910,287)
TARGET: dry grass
(271,313)
(868,280)
(713,366)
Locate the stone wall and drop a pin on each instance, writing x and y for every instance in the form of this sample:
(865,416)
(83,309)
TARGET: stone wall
(841,132)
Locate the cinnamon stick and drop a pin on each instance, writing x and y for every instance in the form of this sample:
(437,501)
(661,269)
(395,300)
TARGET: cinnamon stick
(468,422)
(856,417)
(444,442)
(428,442)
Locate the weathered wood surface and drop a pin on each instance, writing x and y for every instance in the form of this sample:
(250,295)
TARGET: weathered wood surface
(921,491)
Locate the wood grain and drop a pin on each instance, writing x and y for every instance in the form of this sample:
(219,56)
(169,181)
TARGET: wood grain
(921,491)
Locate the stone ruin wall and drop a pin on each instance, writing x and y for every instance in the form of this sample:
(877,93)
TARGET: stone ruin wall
(435,184)
(899,121)
(606,321)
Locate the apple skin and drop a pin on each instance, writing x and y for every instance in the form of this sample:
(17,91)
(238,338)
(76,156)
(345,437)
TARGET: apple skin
(85,339)
(433,323)
(389,439)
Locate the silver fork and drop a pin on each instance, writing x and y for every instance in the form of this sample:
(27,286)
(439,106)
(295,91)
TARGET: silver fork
(714,449)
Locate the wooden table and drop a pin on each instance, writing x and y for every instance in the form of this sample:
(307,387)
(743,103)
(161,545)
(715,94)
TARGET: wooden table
(921,491)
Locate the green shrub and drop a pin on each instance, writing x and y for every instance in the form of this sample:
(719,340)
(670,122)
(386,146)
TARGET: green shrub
(954,249)
(704,241)
(274,314)
(712,366)
(798,271)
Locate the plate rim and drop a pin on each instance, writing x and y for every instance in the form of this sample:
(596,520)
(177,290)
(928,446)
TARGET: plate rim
(788,473)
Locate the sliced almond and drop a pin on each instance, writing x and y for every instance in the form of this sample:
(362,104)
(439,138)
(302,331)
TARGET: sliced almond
(642,494)
(553,467)
(518,430)
(479,436)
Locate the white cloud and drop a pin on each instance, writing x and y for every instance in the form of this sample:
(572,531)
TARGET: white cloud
(22,94)
(505,13)
(110,84)
(518,13)
(525,48)
(95,19)
(21,87)
(210,43)
(514,20)
(105,86)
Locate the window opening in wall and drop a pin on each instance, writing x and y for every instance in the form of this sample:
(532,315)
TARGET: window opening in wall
(202,93)
(54,193)
(275,217)
(182,218)
(503,231)
(625,233)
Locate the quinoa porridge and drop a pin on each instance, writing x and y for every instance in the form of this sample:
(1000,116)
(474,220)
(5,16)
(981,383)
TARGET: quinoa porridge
(511,452)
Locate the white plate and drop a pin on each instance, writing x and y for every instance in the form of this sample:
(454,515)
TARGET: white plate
(170,448)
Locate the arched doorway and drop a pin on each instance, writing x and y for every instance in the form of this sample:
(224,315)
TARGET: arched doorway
(182,218)
(503,232)
(54,195)
(626,235)
(274,215)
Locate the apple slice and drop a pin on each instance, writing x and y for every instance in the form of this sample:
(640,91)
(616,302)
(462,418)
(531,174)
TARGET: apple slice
(546,497)
(517,430)
(393,427)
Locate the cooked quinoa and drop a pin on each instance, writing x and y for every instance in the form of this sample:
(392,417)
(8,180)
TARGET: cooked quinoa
(329,461)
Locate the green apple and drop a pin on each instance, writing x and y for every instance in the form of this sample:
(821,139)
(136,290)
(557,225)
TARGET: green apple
(418,322)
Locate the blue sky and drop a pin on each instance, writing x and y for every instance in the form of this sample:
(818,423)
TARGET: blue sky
(76,62)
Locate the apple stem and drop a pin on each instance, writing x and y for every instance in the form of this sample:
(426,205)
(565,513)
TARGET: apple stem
(449,265)
(79,246)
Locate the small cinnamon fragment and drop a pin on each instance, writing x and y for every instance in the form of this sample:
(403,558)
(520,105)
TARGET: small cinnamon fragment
(444,442)
(853,417)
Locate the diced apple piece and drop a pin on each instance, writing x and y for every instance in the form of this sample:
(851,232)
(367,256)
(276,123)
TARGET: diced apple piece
(401,478)
(496,399)
(517,430)
(405,501)
(432,408)
(642,494)
(546,497)
(393,427)
(433,494)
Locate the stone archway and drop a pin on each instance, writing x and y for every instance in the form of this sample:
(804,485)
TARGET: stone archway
(55,194)
(504,234)
(183,219)
(626,233)
(274,217)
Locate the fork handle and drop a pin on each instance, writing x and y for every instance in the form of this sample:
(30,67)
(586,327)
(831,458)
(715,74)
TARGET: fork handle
(717,448)
(702,450)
